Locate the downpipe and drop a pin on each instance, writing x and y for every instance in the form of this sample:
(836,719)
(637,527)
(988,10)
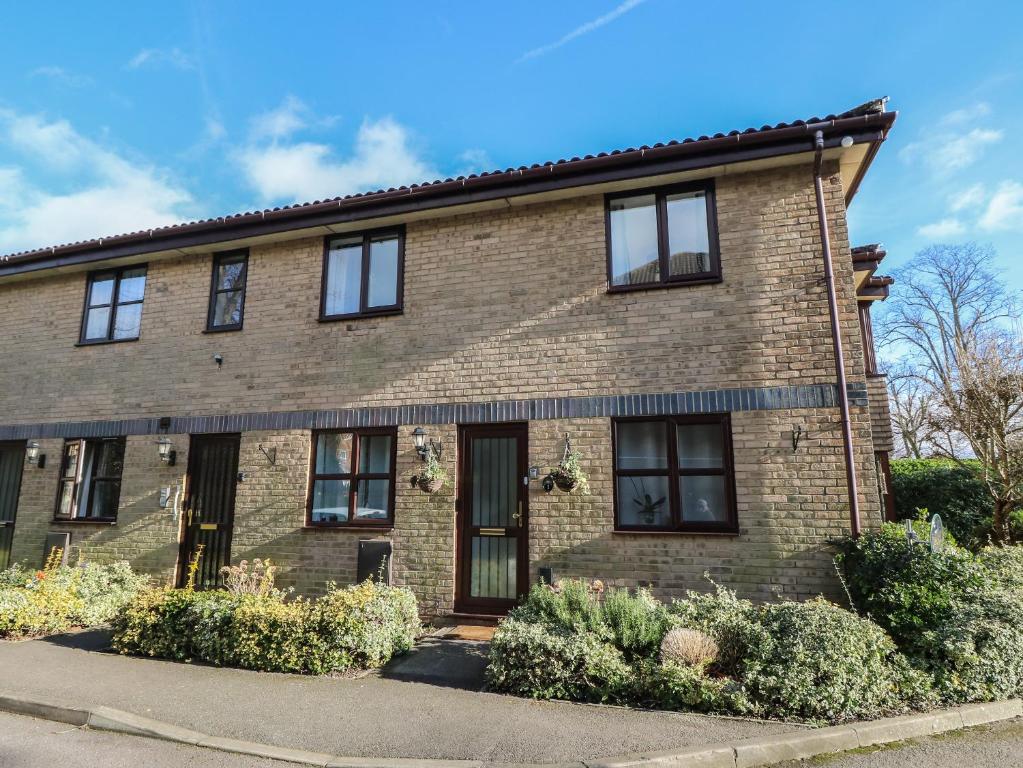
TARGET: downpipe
(836,337)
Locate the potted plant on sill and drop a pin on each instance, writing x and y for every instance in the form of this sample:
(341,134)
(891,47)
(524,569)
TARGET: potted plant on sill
(432,476)
(569,475)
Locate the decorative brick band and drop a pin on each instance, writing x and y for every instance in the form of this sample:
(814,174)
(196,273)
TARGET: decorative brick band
(666,404)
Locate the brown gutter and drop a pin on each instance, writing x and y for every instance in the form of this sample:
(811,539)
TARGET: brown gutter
(836,337)
(616,166)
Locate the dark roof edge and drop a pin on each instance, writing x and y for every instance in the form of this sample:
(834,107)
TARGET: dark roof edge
(705,152)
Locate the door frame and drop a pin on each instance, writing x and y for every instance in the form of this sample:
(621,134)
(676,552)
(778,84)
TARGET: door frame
(463,602)
(16,445)
(193,457)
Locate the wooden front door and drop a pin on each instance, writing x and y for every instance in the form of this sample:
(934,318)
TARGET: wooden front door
(12,460)
(209,507)
(493,499)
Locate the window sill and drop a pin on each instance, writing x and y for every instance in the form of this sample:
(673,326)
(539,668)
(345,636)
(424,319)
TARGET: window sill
(654,532)
(345,527)
(100,342)
(704,280)
(81,521)
(225,329)
(360,315)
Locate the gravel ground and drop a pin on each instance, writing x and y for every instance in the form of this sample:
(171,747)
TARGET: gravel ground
(991,746)
(29,743)
(365,717)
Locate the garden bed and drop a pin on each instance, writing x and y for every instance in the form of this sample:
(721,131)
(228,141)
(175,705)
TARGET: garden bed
(929,629)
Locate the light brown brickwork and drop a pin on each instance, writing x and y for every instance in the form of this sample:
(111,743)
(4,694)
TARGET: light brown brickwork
(498,305)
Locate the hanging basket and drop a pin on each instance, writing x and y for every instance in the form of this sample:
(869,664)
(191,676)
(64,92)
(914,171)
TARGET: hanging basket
(430,486)
(565,483)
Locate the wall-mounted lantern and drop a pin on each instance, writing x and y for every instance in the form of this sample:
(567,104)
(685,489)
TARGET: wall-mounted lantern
(33,456)
(167,453)
(422,448)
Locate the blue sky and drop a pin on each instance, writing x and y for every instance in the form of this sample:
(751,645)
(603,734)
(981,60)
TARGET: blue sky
(116,117)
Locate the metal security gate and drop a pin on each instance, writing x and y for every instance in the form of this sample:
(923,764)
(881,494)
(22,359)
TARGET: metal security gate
(209,508)
(12,459)
(493,519)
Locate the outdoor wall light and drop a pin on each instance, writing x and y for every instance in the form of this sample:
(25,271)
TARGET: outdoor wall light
(167,453)
(422,448)
(33,456)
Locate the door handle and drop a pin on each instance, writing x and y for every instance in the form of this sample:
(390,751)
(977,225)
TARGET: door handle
(518,516)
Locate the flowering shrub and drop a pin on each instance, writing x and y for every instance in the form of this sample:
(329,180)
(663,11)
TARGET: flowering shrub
(357,627)
(811,661)
(60,597)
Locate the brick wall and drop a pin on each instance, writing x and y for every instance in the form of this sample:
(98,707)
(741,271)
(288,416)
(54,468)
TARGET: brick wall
(498,305)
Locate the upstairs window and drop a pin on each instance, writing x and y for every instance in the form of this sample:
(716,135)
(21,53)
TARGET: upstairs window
(362,275)
(113,305)
(227,291)
(90,480)
(353,478)
(664,237)
(674,474)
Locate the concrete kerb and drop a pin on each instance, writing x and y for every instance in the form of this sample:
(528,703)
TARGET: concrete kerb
(747,753)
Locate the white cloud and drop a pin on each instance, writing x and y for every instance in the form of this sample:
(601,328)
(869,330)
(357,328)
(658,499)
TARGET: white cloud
(474,161)
(581,30)
(950,227)
(281,122)
(971,197)
(960,116)
(281,171)
(62,76)
(155,57)
(951,152)
(1005,208)
(91,191)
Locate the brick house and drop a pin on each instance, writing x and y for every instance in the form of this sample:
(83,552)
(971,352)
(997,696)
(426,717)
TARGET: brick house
(267,384)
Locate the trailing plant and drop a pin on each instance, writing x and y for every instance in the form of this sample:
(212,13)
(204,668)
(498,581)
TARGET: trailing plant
(569,474)
(431,476)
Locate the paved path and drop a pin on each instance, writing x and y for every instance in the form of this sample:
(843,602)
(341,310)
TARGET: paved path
(371,716)
(29,743)
(990,746)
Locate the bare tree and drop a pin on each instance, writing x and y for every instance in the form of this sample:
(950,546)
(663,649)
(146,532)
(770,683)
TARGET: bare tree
(910,402)
(953,325)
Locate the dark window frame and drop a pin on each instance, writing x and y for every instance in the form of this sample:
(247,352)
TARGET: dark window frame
(114,304)
(218,260)
(354,477)
(674,473)
(92,480)
(713,275)
(367,237)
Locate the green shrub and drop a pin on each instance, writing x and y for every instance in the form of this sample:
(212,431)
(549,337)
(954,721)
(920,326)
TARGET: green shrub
(545,661)
(905,588)
(637,622)
(361,626)
(573,605)
(677,686)
(820,662)
(945,488)
(956,615)
(731,622)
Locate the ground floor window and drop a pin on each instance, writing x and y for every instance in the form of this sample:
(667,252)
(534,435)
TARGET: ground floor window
(352,477)
(674,474)
(90,479)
